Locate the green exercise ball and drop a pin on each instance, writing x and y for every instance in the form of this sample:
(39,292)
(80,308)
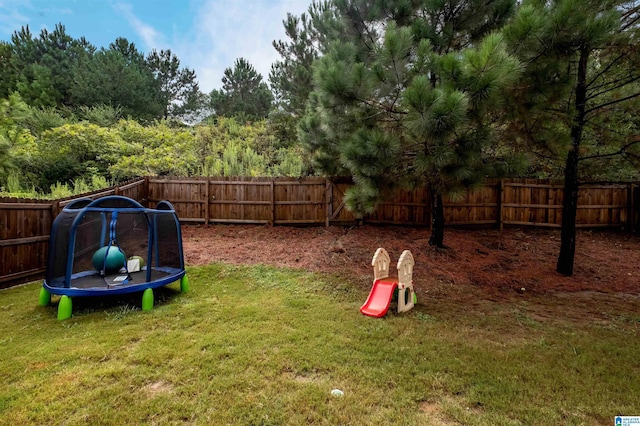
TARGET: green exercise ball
(113,262)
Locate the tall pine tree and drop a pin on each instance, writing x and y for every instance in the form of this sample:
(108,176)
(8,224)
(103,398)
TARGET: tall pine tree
(291,77)
(577,100)
(243,95)
(177,85)
(42,68)
(119,76)
(407,98)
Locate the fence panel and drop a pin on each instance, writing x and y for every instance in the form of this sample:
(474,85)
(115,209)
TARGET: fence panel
(532,202)
(602,206)
(25,224)
(479,206)
(135,190)
(301,201)
(338,213)
(24,239)
(240,200)
(404,208)
(188,196)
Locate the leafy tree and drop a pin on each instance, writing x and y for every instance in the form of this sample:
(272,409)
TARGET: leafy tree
(56,70)
(284,128)
(9,74)
(577,101)
(291,78)
(243,95)
(76,150)
(60,54)
(409,99)
(15,141)
(152,150)
(226,148)
(177,85)
(38,119)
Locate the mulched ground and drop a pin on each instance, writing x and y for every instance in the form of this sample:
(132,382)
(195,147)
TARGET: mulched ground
(498,263)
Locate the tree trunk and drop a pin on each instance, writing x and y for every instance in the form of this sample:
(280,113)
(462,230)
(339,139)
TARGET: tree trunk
(569,212)
(570,201)
(437,220)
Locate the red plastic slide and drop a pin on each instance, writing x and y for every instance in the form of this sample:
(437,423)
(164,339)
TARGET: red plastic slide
(379,299)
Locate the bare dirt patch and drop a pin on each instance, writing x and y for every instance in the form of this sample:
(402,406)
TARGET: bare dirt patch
(158,387)
(478,266)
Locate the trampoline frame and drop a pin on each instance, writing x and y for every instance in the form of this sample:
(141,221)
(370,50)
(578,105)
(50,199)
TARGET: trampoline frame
(63,286)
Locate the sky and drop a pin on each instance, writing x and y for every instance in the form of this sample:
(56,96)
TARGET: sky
(206,35)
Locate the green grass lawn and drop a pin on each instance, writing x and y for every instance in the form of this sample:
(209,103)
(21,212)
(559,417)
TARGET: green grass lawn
(261,345)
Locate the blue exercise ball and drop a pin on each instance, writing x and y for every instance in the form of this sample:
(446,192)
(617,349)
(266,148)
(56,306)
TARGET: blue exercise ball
(111,258)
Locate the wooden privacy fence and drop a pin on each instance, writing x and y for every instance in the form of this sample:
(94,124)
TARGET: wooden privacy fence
(316,201)
(25,224)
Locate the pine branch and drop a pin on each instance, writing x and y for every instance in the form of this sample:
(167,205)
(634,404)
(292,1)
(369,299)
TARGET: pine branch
(629,14)
(618,86)
(622,151)
(380,105)
(606,104)
(606,69)
(616,82)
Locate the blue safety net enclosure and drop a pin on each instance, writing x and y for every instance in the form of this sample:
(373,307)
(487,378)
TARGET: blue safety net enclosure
(112,245)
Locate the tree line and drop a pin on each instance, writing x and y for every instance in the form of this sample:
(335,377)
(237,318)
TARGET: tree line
(54,70)
(393,93)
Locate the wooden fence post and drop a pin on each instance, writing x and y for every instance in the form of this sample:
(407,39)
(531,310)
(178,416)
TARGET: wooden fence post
(430,207)
(499,201)
(145,192)
(328,195)
(207,202)
(273,202)
(55,209)
(631,207)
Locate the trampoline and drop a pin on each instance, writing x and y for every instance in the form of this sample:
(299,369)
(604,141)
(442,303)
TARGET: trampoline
(110,246)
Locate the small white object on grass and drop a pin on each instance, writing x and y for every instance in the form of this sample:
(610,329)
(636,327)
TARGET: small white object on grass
(337,392)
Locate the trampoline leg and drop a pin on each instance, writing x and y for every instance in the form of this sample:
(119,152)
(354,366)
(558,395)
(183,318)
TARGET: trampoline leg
(65,306)
(147,300)
(45,297)
(184,284)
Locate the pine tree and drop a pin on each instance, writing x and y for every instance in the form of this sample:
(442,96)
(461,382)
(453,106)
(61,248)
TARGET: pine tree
(408,98)
(291,78)
(582,70)
(177,85)
(243,95)
(120,77)
(42,68)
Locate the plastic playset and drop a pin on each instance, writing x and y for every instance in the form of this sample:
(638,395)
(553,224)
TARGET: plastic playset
(385,288)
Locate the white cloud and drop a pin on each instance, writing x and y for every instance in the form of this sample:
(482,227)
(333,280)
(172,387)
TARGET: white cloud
(150,37)
(226,30)
(11,19)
